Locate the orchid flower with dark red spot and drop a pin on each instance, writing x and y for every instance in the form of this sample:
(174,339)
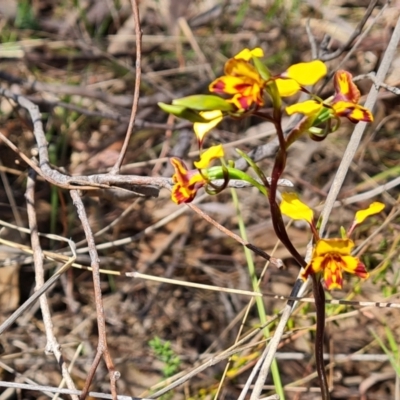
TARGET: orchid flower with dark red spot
(347,96)
(188,182)
(343,104)
(330,256)
(242,80)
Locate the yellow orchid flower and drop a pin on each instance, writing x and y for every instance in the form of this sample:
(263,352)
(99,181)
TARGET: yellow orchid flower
(188,182)
(332,257)
(343,104)
(241,80)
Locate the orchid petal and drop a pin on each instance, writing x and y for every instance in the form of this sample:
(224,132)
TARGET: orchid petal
(373,208)
(339,246)
(210,154)
(353,265)
(354,112)
(287,87)
(307,73)
(308,108)
(202,128)
(292,207)
(247,54)
(345,88)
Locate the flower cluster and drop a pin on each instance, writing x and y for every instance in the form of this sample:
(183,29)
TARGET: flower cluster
(245,88)
(330,257)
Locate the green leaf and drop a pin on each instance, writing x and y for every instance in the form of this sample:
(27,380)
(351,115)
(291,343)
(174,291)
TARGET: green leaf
(204,102)
(233,173)
(182,112)
(256,169)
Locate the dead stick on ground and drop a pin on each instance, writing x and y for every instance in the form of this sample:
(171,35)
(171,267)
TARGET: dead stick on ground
(52,345)
(102,347)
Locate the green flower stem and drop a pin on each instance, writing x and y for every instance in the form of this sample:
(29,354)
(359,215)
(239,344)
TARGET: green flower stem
(259,301)
(319,296)
(255,167)
(218,173)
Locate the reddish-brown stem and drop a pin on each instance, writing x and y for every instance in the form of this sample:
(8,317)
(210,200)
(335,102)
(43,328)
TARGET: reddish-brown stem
(279,166)
(280,230)
(319,296)
(277,221)
(314,232)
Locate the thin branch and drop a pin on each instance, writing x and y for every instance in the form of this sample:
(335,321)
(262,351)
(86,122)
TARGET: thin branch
(62,180)
(138,71)
(274,261)
(102,346)
(356,32)
(253,373)
(311,39)
(192,284)
(372,76)
(52,345)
